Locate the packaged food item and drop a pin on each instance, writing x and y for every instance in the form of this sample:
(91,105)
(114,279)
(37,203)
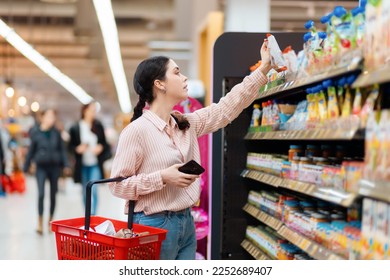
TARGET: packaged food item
(347,105)
(329,47)
(277,60)
(383,146)
(322,104)
(326,151)
(371,146)
(256,116)
(359,21)
(333,106)
(340,91)
(291,59)
(295,150)
(369,105)
(373,37)
(344,32)
(312,106)
(357,103)
(312,151)
(385,30)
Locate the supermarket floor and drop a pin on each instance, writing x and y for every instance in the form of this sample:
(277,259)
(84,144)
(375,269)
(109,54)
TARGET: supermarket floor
(18,219)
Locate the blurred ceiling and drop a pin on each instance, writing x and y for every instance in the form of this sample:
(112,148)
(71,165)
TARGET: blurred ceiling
(67,33)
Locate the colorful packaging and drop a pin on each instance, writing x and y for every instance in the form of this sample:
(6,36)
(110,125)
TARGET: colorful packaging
(357,103)
(373,37)
(383,146)
(368,106)
(277,60)
(256,116)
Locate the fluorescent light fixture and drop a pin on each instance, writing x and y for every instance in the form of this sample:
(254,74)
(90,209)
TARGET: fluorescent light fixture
(105,15)
(45,65)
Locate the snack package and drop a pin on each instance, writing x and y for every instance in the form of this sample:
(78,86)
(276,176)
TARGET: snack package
(333,107)
(383,148)
(357,102)
(291,59)
(344,34)
(373,37)
(368,106)
(277,60)
(322,105)
(385,31)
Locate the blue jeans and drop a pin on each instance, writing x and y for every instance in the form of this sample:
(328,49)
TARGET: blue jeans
(180,242)
(89,173)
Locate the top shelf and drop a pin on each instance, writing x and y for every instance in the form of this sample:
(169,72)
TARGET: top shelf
(293,87)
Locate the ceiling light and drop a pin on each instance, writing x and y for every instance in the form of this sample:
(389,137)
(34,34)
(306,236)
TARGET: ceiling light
(106,19)
(9,92)
(35,106)
(45,65)
(22,101)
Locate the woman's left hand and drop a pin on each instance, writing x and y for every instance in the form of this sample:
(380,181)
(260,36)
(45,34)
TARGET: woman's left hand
(98,149)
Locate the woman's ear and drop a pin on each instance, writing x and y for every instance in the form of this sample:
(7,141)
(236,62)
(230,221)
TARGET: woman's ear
(160,85)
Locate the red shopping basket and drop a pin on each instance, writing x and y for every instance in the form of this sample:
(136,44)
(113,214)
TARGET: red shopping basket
(75,241)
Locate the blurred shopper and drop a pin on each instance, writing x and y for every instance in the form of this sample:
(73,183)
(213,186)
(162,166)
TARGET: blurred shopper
(48,152)
(90,148)
(157,142)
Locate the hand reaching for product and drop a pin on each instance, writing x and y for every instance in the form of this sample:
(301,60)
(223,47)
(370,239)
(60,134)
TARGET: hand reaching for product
(172,176)
(265,57)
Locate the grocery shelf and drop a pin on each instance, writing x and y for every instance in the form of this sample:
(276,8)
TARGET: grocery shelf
(368,78)
(254,251)
(314,249)
(263,217)
(309,246)
(301,84)
(375,189)
(338,197)
(308,134)
(262,177)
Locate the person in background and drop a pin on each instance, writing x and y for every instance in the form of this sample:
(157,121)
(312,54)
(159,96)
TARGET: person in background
(90,149)
(48,152)
(158,142)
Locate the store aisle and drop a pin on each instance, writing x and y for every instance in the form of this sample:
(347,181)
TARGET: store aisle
(18,218)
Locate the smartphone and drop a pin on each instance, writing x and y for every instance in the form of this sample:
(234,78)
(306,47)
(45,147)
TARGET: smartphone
(192,167)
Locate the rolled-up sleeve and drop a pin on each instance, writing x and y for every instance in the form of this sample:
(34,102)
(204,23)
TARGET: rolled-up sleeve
(127,160)
(218,115)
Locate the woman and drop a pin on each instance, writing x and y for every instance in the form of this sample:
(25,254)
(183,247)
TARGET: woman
(156,143)
(47,150)
(88,144)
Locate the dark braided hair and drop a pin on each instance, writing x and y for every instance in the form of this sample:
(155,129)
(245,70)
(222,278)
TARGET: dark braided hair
(147,72)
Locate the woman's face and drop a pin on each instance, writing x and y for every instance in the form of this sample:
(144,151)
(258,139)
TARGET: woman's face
(49,118)
(175,82)
(90,112)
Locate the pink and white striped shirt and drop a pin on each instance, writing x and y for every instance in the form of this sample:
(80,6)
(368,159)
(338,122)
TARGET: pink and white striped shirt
(149,144)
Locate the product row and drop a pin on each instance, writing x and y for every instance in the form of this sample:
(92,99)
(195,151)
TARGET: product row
(351,233)
(341,38)
(332,104)
(325,166)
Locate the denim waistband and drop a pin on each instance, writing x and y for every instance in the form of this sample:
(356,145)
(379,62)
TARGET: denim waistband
(169,213)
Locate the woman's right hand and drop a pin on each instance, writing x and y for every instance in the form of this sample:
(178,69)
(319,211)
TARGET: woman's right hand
(80,149)
(173,176)
(265,58)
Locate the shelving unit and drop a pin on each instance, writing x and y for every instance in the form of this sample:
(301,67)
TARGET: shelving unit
(232,144)
(314,249)
(254,251)
(339,197)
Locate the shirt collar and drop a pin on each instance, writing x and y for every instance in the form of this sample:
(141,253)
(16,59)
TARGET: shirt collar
(157,121)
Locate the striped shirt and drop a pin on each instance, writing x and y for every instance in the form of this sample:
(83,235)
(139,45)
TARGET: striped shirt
(149,144)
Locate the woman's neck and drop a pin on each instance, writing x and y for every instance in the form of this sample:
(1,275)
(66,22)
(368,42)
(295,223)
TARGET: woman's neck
(164,112)
(88,121)
(44,127)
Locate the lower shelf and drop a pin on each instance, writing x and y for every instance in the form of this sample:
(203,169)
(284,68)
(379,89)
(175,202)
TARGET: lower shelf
(254,251)
(314,249)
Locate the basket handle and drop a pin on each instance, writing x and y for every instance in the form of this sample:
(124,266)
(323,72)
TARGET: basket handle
(89,198)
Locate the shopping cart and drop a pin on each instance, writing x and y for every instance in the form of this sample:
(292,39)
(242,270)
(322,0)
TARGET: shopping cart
(75,240)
